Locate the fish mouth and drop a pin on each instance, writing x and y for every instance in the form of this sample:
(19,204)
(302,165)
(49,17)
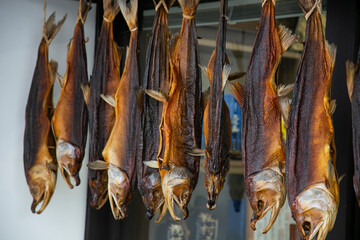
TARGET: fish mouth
(314,211)
(67,156)
(41,186)
(267,192)
(214,183)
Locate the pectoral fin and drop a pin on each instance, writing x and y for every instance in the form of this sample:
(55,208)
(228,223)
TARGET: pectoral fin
(85,88)
(204,70)
(98,165)
(151,164)
(286,37)
(157,95)
(109,99)
(332,106)
(205,97)
(236,75)
(351,69)
(225,75)
(197,152)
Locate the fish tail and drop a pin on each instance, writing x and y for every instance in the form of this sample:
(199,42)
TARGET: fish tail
(50,28)
(286,37)
(129,11)
(84,8)
(308,7)
(188,6)
(111,9)
(165,3)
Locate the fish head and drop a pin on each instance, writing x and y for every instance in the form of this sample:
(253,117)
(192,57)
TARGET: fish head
(177,187)
(153,197)
(119,190)
(98,187)
(69,160)
(314,211)
(267,191)
(41,181)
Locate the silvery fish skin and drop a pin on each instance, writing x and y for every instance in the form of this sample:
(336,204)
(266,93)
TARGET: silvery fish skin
(182,118)
(262,146)
(71,116)
(121,148)
(105,80)
(156,76)
(217,122)
(39,145)
(312,181)
(353,84)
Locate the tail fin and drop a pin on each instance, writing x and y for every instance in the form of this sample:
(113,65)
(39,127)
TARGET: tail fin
(111,9)
(129,11)
(50,28)
(165,3)
(84,8)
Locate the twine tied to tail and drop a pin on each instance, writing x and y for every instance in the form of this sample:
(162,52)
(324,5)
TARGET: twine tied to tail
(188,16)
(162,2)
(317,5)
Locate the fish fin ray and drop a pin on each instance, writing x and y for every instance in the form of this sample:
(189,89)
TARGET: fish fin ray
(98,165)
(85,88)
(331,48)
(351,69)
(205,97)
(238,92)
(287,38)
(158,95)
(204,70)
(283,90)
(225,75)
(151,164)
(332,106)
(84,8)
(236,75)
(284,103)
(50,27)
(109,99)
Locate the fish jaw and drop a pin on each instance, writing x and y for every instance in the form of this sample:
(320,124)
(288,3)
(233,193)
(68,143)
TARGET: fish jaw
(214,183)
(42,181)
(267,192)
(119,189)
(314,211)
(98,189)
(177,187)
(68,157)
(153,197)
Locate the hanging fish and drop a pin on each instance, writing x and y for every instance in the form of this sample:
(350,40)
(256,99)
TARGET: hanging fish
(105,80)
(181,119)
(262,147)
(39,145)
(120,151)
(156,77)
(217,122)
(312,181)
(70,116)
(353,84)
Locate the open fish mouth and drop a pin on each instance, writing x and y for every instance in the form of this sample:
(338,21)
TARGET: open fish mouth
(314,211)
(267,193)
(67,156)
(41,185)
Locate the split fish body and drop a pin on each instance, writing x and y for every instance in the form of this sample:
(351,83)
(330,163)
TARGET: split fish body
(262,147)
(120,151)
(182,118)
(71,116)
(217,122)
(312,182)
(105,80)
(156,77)
(39,145)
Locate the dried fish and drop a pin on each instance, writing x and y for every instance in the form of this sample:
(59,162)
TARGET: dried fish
(70,116)
(39,145)
(312,181)
(217,122)
(353,83)
(105,80)
(262,147)
(182,118)
(156,77)
(120,151)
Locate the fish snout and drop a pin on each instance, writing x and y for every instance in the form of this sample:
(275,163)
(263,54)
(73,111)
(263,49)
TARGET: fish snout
(314,211)
(213,184)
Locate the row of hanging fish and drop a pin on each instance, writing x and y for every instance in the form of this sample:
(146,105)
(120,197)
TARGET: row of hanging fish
(307,171)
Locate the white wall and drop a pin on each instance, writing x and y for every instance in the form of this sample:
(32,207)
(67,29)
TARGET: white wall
(20,30)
